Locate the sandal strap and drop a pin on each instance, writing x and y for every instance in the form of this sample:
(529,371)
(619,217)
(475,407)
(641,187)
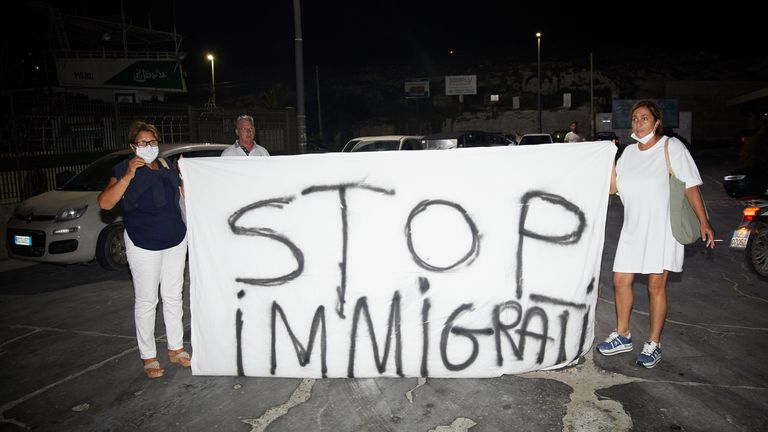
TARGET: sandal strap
(152,365)
(181,355)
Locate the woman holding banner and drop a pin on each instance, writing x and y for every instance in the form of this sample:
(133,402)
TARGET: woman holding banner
(155,242)
(646,244)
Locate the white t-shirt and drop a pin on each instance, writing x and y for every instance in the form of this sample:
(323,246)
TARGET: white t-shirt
(646,244)
(236,150)
(572,137)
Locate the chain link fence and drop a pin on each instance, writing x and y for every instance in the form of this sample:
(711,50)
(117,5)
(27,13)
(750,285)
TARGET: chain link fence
(40,143)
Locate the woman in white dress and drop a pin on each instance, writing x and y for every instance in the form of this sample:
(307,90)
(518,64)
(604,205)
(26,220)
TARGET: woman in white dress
(646,245)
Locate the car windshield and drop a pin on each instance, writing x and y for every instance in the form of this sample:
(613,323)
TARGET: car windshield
(349,145)
(369,146)
(535,139)
(96,175)
(441,144)
(413,144)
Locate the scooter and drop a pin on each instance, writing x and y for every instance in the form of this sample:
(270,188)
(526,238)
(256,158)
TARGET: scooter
(752,236)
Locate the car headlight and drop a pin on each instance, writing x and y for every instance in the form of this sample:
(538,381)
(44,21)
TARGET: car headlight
(69,214)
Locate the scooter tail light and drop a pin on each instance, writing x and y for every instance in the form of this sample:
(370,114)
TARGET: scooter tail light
(750,212)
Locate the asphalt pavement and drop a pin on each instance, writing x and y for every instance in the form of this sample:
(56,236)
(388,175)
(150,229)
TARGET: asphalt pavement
(69,361)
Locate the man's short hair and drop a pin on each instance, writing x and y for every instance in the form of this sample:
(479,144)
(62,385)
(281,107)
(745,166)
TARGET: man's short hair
(247,118)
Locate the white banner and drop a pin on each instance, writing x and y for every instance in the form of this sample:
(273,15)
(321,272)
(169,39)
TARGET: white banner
(460,85)
(458,263)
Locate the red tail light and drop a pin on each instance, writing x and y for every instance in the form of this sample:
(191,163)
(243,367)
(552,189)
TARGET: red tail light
(750,212)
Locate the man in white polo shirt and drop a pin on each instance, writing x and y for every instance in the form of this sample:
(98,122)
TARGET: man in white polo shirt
(245,145)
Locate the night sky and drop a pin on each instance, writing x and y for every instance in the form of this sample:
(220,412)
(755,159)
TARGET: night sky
(254,40)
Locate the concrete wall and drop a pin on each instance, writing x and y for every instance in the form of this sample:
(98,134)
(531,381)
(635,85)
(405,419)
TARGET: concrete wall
(520,121)
(712,119)
(510,122)
(6,210)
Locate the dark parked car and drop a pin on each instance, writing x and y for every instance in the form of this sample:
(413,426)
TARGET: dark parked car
(745,184)
(499,139)
(559,136)
(607,136)
(449,140)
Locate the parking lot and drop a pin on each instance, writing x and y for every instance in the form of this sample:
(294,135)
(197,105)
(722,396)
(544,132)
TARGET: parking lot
(69,361)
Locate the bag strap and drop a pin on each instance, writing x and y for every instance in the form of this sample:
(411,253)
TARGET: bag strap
(672,173)
(666,156)
(164,163)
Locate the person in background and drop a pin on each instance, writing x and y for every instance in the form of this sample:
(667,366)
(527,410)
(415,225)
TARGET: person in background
(754,158)
(573,135)
(646,244)
(155,242)
(245,144)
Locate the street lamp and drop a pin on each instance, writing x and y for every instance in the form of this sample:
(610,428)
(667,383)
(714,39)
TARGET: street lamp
(212,100)
(538,56)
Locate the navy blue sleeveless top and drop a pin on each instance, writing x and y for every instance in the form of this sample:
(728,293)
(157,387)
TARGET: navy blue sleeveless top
(151,206)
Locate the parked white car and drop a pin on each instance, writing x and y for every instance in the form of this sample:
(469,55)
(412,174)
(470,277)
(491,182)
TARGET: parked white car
(535,138)
(66,225)
(383,143)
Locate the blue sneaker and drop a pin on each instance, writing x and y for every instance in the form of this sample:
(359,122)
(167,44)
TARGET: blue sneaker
(650,356)
(615,344)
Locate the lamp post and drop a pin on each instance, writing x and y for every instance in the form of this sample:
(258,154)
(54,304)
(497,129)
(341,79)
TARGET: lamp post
(538,62)
(212,100)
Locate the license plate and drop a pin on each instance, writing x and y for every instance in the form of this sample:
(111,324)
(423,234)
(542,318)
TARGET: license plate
(19,240)
(739,238)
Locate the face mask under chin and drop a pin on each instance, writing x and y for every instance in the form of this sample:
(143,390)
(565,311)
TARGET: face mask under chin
(645,139)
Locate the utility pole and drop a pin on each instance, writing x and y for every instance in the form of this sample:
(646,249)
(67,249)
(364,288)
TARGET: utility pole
(301,118)
(538,62)
(591,96)
(125,32)
(319,111)
(212,99)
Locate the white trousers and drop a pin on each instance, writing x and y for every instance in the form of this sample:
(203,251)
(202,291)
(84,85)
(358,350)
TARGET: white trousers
(149,269)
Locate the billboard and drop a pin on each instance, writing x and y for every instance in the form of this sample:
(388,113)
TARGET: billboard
(621,111)
(460,85)
(123,73)
(417,88)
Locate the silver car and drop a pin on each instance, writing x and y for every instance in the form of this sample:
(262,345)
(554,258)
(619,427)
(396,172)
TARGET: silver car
(66,225)
(383,143)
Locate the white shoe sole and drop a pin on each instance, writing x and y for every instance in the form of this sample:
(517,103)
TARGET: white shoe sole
(614,351)
(649,365)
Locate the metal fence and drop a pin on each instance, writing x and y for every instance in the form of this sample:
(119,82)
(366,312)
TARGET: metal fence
(39,141)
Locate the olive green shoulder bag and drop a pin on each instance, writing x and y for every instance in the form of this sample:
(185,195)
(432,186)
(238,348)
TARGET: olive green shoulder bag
(685,224)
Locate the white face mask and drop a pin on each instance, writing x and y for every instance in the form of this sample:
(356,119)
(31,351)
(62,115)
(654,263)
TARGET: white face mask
(147,153)
(645,139)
